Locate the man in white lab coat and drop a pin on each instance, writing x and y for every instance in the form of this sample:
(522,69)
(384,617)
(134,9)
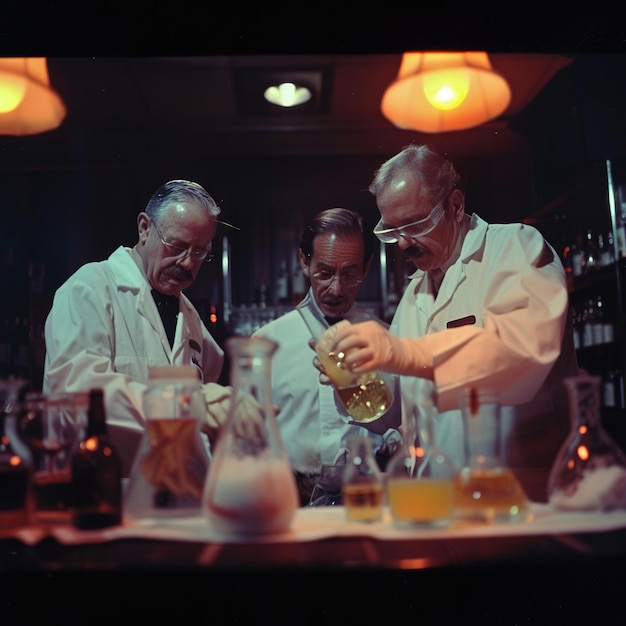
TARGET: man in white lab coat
(112,320)
(314,424)
(487,306)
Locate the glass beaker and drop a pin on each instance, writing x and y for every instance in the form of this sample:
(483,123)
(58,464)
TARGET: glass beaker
(367,397)
(485,488)
(171,464)
(250,488)
(589,472)
(52,426)
(420,477)
(362,483)
(16,506)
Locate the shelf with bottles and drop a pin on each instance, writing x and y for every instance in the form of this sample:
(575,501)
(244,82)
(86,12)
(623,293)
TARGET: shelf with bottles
(590,261)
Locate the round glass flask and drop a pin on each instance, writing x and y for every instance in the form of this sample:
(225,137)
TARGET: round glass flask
(420,477)
(589,472)
(250,487)
(486,489)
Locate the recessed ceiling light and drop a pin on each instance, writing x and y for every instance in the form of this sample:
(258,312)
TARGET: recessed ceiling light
(287,94)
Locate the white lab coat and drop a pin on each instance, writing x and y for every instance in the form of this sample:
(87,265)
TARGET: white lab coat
(104,330)
(314,424)
(505,296)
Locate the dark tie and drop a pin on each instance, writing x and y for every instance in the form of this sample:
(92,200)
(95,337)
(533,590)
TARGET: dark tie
(436,277)
(168,310)
(333,320)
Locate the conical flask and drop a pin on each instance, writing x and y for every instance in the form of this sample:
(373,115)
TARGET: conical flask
(589,472)
(420,477)
(486,489)
(250,488)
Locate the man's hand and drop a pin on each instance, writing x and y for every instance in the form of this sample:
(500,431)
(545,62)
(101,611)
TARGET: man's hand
(217,401)
(367,346)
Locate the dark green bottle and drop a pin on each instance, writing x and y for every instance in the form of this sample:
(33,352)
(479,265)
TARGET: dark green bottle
(96,473)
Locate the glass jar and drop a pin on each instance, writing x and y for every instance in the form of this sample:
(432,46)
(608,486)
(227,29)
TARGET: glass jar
(171,464)
(250,488)
(420,477)
(589,472)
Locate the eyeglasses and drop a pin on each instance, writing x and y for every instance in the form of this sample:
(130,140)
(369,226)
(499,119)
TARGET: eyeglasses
(412,230)
(182,251)
(347,279)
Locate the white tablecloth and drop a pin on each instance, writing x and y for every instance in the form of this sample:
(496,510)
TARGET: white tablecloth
(312,524)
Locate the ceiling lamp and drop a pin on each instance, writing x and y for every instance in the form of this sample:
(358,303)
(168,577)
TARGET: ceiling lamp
(287,95)
(28,105)
(442,91)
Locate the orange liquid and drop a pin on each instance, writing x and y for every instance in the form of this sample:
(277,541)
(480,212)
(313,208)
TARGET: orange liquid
(420,501)
(364,503)
(493,494)
(173,445)
(164,429)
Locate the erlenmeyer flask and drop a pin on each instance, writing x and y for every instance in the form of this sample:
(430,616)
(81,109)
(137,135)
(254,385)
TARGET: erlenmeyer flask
(250,487)
(420,477)
(589,472)
(486,489)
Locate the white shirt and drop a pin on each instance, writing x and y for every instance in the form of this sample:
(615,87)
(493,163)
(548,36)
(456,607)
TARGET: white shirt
(314,424)
(505,296)
(104,330)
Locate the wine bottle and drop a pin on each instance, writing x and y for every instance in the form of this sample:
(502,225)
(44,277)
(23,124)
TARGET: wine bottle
(96,473)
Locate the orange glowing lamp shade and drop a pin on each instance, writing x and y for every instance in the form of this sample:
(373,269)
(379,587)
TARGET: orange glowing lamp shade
(438,92)
(12,90)
(28,105)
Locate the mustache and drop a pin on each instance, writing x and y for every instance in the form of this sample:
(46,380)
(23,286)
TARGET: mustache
(178,273)
(415,252)
(332,301)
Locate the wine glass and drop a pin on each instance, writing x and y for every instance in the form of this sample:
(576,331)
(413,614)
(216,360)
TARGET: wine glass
(52,426)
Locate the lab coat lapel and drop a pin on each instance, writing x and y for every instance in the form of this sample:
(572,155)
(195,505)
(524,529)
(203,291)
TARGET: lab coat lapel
(135,298)
(187,348)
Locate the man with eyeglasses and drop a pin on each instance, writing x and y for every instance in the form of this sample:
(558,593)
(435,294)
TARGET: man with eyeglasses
(113,320)
(487,306)
(316,429)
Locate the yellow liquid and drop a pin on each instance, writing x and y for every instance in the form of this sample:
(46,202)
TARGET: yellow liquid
(366,402)
(428,501)
(364,503)
(490,495)
(366,399)
(339,376)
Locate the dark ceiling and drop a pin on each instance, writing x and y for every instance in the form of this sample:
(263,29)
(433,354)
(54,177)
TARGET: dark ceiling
(123,108)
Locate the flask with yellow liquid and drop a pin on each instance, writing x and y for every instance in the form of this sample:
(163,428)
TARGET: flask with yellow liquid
(420,477)
(486,489)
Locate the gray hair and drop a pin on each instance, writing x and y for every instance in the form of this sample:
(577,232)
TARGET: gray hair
(436,175)
(179,191)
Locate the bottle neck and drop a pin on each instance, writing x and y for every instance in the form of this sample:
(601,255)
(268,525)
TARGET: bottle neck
(96,424)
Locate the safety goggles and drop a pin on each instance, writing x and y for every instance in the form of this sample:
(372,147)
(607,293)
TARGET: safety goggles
(413,230)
